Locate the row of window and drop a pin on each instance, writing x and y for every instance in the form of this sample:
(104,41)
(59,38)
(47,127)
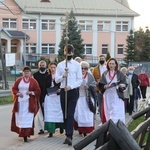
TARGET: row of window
(84,25)
(50,49)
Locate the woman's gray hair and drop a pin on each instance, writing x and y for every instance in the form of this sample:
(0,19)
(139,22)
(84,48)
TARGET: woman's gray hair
(84,64)
(123,68)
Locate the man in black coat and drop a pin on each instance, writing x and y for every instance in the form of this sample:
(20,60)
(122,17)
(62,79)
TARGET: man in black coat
(40,77)
(135,83)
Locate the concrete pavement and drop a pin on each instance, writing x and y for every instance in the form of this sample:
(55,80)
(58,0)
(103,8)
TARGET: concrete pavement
(41,142)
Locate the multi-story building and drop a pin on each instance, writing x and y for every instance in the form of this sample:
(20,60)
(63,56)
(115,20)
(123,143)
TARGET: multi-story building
(31,28)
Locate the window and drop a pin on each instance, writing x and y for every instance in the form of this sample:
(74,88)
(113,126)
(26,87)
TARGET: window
(104,49)
(29,24)
(9,23)
(48,24)
(88,49)
(14,48)
(31,48)
(85,25)
(121,26)
(48,48)
(103,25)
(120,49)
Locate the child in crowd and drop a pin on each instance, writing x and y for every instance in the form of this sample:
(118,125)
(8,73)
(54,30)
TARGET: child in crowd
(137,96)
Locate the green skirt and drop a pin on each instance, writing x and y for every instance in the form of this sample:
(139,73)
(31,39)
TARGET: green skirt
(51,127)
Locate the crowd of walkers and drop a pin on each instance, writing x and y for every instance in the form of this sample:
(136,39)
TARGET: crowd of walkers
(67,96)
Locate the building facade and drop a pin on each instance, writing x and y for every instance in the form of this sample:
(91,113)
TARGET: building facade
(32,29)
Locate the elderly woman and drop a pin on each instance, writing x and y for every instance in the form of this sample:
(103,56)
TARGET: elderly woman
(26,93)
(128,91)
(86,104)
(112,84)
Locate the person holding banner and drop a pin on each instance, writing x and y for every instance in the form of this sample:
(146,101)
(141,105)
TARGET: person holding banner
(69,70)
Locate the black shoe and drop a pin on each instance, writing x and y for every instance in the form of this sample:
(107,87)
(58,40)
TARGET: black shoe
(61,131)
(130,113)
(84,134)
(68,141)
(41,132)
(25,139)
(50,135)
(80,133)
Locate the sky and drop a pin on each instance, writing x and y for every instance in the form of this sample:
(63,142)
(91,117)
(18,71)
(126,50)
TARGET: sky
(141,7)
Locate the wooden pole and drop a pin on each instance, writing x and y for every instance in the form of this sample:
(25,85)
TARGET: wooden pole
(66,20)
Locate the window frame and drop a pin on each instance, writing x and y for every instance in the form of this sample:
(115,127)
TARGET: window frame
(48,47)
(48,23)
(120,47)
(88,47)
(122,26)
(103,25)
(31,24)
(85,25)
(105,48)
(9,21)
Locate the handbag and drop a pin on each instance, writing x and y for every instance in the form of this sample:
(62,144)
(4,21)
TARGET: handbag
(91,105)
(52,90)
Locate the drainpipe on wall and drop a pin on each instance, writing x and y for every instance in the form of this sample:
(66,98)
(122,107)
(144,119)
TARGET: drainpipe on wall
(39,37)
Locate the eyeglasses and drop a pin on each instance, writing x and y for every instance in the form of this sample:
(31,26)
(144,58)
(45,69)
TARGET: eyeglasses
(84,68)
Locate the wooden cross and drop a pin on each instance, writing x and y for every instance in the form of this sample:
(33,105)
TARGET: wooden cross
(66,20)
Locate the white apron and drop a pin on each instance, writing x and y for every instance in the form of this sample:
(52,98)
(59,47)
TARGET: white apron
(113,105)
(24,119)
(83,116)
(52,109)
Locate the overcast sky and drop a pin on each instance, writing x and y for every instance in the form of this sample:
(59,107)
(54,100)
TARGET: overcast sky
(142,7)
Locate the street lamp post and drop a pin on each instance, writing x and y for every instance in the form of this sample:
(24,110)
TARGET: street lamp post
(25,49)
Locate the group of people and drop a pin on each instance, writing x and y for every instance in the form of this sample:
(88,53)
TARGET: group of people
(61,97)
(118,89)
(66,95)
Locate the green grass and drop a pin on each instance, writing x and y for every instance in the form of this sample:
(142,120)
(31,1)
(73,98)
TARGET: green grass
(134,124)
(6,100)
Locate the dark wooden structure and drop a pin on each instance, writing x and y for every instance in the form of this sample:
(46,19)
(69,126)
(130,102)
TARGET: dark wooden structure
(112,136)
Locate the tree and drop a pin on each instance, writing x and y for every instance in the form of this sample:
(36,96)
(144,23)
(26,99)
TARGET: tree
(139,41)
(130,52)
(74,39)
(145,52)
(108,56)
(45,59)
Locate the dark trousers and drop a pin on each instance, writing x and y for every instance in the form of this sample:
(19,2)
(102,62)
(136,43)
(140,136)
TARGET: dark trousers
(143,91)
(132,98)
(72,97)
(131,104)
(99,101)
(126,100)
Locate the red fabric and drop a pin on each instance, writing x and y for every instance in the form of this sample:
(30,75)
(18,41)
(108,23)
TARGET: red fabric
(103,119)
(144,80)
(33,106)
(83,129)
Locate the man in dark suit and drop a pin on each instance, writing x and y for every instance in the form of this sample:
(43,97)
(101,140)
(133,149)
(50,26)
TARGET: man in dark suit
(135,83)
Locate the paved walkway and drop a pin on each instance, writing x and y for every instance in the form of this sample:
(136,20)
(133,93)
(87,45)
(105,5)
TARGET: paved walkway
(41,142)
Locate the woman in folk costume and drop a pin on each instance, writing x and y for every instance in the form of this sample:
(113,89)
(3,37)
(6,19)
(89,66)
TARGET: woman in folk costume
(86,104)
(112,84)
(52,107)
(26,93)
